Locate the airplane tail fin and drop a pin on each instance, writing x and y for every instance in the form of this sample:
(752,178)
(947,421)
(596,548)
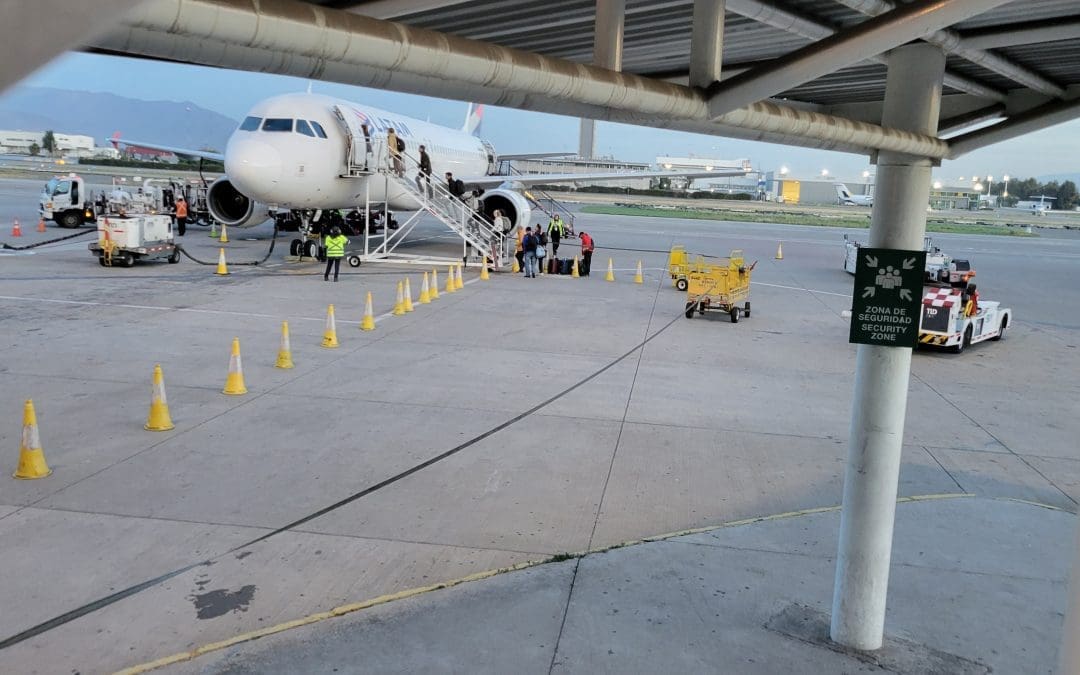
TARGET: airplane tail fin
(473,118)
(842,191)
(115,140)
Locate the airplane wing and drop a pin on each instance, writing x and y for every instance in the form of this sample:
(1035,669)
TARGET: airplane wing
(551,178)
(214,156)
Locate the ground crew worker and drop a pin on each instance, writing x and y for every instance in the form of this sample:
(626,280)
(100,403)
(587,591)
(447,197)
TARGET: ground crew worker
(181,216)
(587,247)
(971,308)
(556,231)
(335,244)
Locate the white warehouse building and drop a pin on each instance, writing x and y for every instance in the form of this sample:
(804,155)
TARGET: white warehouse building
(19,142)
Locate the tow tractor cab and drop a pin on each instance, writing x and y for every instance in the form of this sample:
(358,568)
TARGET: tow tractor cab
(955,317)
(940,266)
(66,201)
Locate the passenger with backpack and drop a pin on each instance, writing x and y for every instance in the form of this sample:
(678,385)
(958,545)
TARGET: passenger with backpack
(395,146)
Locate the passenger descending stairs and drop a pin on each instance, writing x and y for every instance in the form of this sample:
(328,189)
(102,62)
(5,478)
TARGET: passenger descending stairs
(474,228)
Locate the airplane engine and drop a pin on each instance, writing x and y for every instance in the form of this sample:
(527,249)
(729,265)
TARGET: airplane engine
(229,207)
(512,204)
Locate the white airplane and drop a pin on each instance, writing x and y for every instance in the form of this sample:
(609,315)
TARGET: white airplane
(1038,208)
(845,198)
(296,154)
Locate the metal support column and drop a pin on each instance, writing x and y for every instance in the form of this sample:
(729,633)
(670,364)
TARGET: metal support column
(706,42)
(912,103)
(607,53)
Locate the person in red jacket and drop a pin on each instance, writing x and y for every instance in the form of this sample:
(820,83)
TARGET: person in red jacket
(587,247)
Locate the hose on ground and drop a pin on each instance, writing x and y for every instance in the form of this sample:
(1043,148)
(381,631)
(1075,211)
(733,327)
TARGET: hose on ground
(250,263)
(80,233)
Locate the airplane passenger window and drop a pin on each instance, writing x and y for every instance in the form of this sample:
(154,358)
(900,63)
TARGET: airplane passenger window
(303,128)
(250,124)
(277,124)
(318,129)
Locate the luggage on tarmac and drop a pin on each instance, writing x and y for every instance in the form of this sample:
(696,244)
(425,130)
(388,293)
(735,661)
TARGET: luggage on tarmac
(566,266)
(553,266)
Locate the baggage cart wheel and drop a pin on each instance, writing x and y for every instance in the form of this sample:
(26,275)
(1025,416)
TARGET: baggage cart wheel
(294,247)
(746,310)
(101,260)
(681,284)
(354,261)
(734,315)
(689,310)
(175,257)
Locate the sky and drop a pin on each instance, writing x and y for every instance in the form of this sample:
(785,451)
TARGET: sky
(1051,151)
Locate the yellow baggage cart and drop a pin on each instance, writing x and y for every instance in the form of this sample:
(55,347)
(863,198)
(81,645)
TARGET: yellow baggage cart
(720,287)
(680,266)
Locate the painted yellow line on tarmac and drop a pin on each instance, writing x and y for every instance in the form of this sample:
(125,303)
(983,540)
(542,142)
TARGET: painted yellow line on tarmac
(342,610)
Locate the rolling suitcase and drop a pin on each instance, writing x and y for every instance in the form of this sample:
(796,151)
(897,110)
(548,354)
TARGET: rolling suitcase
(553,266)
(565,265)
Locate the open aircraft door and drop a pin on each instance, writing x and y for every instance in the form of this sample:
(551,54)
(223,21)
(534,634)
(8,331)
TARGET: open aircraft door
(358,146)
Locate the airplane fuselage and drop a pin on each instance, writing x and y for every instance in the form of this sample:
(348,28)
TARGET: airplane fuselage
(293,151)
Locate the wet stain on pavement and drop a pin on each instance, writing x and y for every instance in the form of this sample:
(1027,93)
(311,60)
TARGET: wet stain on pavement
(220,601)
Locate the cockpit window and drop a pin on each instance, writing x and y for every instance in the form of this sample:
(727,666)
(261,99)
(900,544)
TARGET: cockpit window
(318,129)
(277,124)
(250,124)
(302,127)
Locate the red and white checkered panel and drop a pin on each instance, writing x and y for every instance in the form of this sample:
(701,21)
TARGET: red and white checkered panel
(941,297)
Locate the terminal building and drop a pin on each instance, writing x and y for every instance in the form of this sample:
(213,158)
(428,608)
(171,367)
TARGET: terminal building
(67,145)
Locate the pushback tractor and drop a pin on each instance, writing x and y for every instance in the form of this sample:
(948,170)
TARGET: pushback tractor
(955,318)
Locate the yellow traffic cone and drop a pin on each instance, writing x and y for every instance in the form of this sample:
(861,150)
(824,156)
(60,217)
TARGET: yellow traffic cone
(638,277)
(284,355)
(484,275)
(159,418)
(329,336)
(224,238)
(234,383)
(434,284)
(221,268)
(368,322)
(459,284)
(408,296)
(610,276)
(516,267)
(574,270)
(425,291)
(780,250)
(450,285)
(31,457)
(399,304)
(213,229)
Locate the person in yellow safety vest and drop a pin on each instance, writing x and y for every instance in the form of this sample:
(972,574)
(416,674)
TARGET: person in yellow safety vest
(556,231)
(335,244)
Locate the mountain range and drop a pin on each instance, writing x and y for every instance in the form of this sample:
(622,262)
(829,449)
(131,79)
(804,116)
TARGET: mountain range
(99,115)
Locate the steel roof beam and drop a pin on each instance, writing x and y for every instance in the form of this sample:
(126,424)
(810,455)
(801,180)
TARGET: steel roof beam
(778,17)
(284,37)
(706,42)
(1029,32)
(1036,119)
(854,45)
(391,9)
(960,122)
(952,43)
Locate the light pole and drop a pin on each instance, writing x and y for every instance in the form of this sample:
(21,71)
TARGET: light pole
(1005,192)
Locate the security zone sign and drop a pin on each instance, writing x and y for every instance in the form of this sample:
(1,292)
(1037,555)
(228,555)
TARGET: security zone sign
(887,299)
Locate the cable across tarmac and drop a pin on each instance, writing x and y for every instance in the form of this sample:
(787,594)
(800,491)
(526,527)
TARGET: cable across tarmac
(113,598)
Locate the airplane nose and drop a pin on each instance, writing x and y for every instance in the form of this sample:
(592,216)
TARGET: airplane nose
(252,165)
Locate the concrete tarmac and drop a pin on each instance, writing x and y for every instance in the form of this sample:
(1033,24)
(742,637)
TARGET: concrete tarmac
(549,426)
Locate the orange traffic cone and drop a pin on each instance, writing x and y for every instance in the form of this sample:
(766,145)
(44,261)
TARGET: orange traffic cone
(31,457)
(16,229)
(41,225)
